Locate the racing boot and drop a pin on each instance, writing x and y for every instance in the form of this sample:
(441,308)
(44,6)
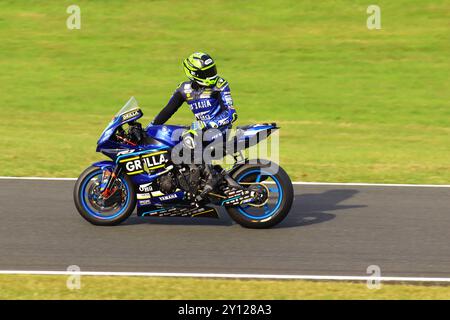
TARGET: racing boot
(212,178)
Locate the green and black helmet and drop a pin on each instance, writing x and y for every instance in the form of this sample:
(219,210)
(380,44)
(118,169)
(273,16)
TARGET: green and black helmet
(201,68)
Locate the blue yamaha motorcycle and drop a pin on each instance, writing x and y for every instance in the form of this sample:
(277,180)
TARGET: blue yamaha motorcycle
(142,174)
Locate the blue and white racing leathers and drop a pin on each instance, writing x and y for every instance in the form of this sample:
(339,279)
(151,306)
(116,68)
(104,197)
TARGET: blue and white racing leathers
(212,105)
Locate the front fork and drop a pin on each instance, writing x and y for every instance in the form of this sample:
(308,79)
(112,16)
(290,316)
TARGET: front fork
(108,179)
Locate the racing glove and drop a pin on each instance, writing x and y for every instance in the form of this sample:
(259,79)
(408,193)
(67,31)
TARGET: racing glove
(198,125)
(188,135)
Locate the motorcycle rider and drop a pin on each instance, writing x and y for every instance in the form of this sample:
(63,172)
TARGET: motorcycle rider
(208,97)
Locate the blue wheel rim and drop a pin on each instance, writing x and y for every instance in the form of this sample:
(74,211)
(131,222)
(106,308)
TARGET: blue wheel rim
(268,211)
(89,210)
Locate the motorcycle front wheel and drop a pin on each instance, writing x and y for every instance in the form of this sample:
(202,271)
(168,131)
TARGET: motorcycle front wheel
(278,196)
(93,208)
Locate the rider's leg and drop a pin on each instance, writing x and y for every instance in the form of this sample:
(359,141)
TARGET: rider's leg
(204,153)
(212,151)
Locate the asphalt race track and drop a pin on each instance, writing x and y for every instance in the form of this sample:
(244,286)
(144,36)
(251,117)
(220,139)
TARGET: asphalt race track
(331,230)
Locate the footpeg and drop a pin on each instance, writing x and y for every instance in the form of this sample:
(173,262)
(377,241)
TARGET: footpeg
(205,191)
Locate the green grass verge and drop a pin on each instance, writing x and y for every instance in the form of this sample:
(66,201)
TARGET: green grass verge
(54,287)
(353,104)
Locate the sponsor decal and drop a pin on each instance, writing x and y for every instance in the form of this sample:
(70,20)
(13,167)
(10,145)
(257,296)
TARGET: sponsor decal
(203,115)
(206,94)
(168,197)
(142,196)
(145,163)
(146,187)
(130,114)
(165,131)
(228,99)
(202,104)
(125,152)
(157,194)
(187,88)
(212,124)
(144,202)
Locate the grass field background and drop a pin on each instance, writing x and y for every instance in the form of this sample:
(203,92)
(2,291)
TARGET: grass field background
(353,104)
(54,287)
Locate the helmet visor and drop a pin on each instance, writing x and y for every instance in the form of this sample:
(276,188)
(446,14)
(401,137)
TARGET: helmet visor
(208,73)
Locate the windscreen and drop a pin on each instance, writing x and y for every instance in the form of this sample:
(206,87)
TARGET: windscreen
(130,105)
(130,111)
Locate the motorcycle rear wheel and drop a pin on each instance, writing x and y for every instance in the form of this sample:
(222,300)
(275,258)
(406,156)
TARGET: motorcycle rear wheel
(280,197)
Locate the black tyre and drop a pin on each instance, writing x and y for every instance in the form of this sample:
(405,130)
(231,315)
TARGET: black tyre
(279,199)
(103,213)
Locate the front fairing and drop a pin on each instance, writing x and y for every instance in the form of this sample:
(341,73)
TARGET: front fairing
(112,149)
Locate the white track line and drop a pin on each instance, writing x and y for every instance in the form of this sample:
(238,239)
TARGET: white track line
(227,275)
(295,182)
(38,178)
(372,184)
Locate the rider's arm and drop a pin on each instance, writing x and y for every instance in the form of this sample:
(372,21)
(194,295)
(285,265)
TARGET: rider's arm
(228,114)
(172,106)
